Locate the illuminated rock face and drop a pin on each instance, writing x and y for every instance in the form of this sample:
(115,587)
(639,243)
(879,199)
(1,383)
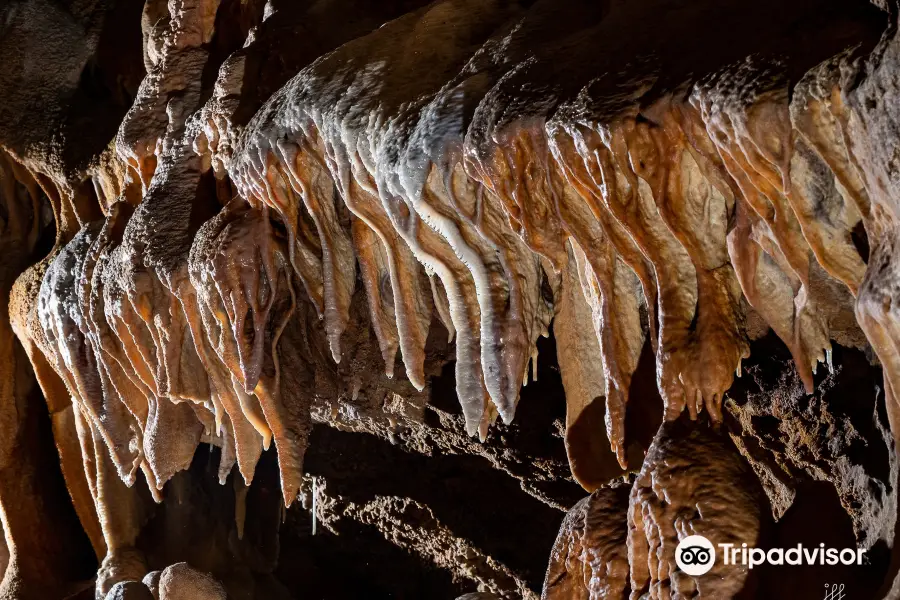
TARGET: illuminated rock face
(590,556)
(278,210)
(693,483)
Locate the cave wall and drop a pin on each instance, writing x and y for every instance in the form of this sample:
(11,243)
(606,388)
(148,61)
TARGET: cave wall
(420,275)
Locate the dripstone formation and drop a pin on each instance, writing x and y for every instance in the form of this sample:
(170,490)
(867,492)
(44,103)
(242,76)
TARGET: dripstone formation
(347,298)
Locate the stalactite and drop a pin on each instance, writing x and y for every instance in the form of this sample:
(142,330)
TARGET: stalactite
(473,164)
(675,210)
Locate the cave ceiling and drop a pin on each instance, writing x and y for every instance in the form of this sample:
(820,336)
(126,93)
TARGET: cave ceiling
(385,285)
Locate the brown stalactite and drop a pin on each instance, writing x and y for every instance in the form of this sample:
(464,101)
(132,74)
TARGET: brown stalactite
(39,529)
(298,194)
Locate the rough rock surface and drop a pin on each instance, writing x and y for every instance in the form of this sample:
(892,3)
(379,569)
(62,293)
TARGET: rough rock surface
(838,435)
(129,590)
(693,482)
(282,274)
(590,556)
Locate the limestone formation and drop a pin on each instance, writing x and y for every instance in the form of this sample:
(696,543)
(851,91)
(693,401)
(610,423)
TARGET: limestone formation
(227,224)
(590,556)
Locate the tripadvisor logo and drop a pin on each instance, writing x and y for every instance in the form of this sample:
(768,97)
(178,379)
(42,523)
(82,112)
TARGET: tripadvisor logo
(696,555)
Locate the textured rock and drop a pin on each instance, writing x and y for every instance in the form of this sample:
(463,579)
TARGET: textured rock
(590,556)
(838,435)
(223,221)
(151,581)
(693,482)
(182,582)
(4,554)
(230,283)
(129,590)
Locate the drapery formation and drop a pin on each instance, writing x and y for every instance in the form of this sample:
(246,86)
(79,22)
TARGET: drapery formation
(470,163)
